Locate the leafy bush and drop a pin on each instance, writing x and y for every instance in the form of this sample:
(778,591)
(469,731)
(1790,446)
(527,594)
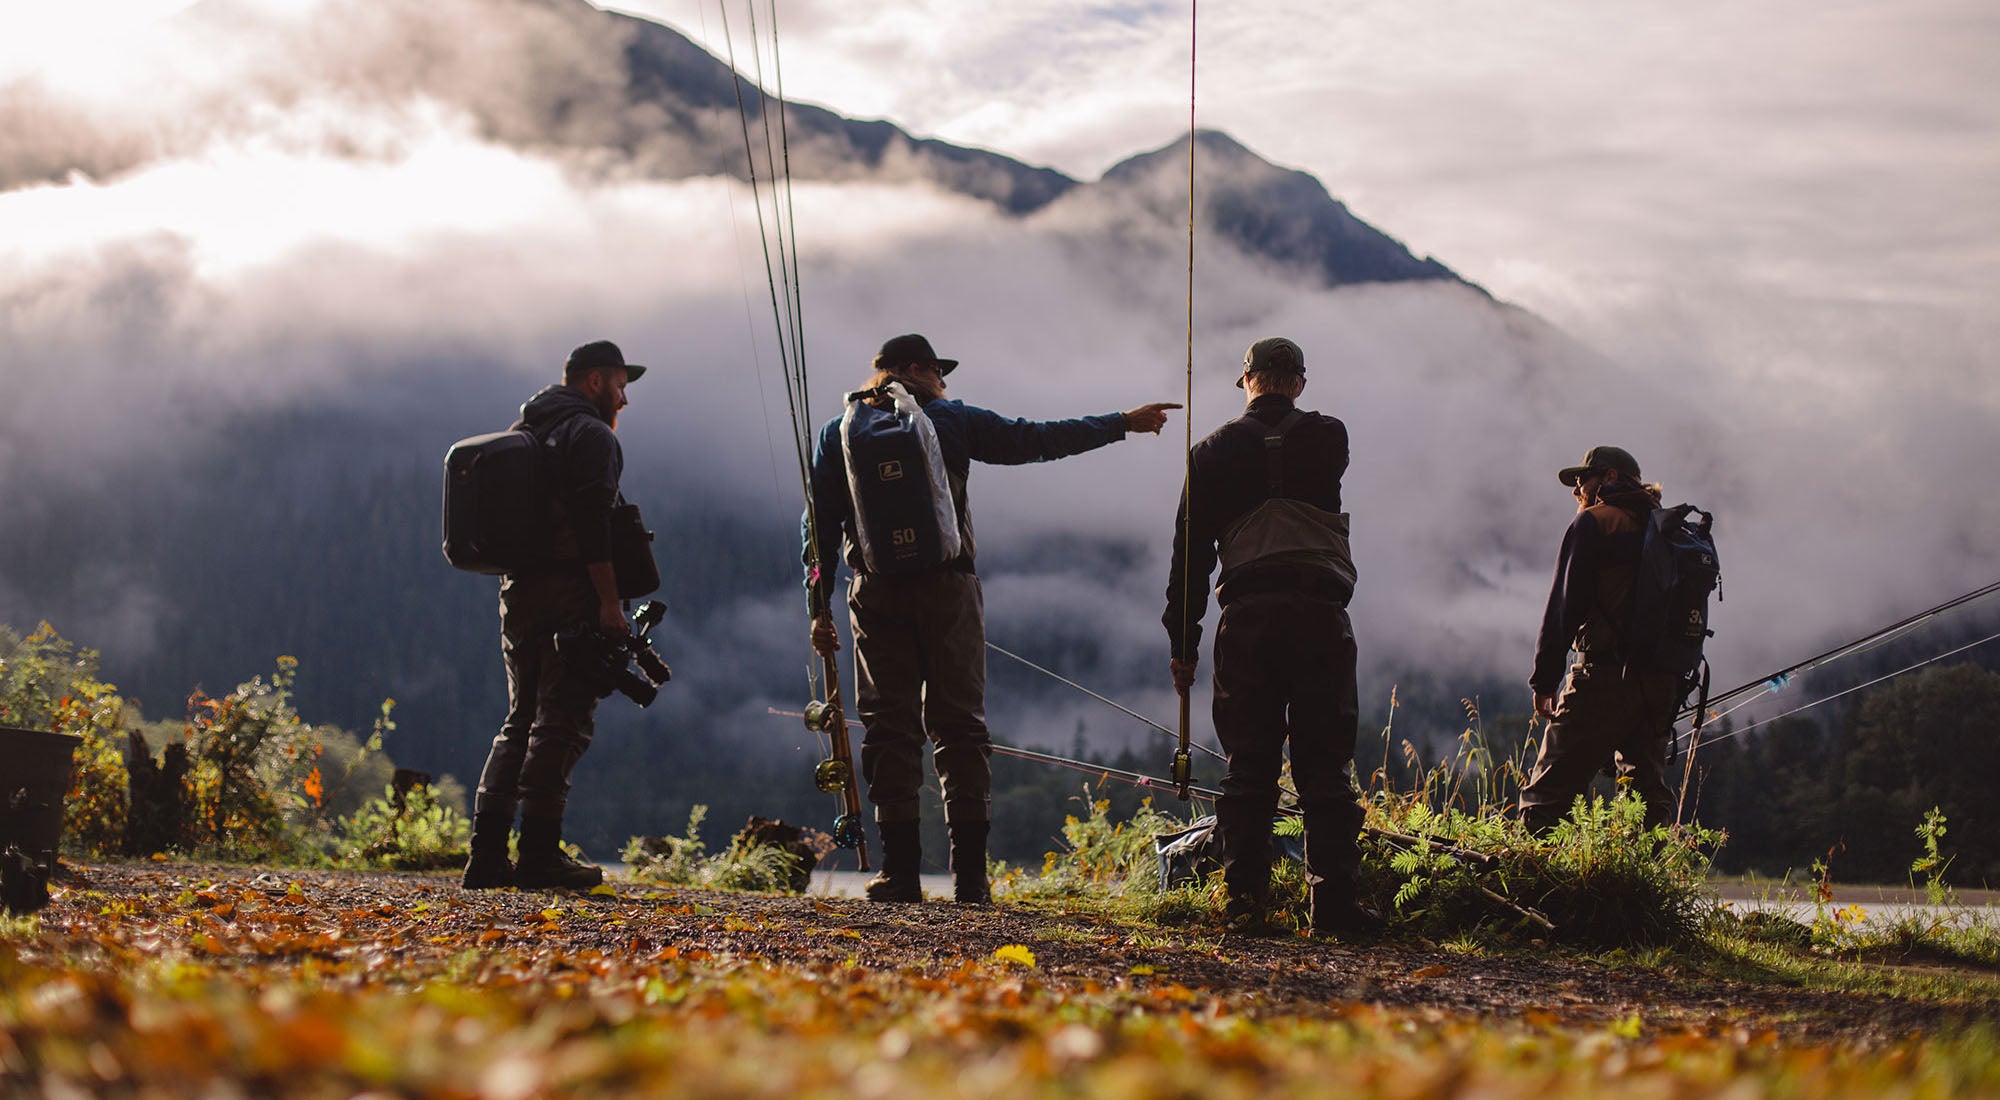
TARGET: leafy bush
(744,865)
(1443,858)
(48,683)
(406,829)
(1602,878)
(1099,855)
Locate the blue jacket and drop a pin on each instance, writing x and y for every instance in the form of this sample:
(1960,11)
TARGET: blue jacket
(966,434)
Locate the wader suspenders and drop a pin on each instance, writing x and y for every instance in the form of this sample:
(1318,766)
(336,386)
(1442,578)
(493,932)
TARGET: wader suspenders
(1274,452)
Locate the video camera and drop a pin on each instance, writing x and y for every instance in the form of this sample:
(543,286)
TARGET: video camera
(605,660)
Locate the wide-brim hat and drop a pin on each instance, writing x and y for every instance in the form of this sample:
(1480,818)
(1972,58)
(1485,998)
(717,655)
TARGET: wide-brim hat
(600,355)
(909,350)
(1601,458)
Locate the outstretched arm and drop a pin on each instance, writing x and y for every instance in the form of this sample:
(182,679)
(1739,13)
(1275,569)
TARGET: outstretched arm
(1004,441)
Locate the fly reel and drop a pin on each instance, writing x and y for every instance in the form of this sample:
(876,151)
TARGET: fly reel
(819,718)
(847,832)
(833,775)
(1183,772)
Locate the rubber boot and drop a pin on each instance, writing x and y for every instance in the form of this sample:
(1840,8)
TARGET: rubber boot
(902,856)
(487,868)
(968,863)
(544,865)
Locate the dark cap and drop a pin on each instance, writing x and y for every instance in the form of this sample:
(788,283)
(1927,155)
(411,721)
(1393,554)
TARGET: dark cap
(598,355)
(1602,458)
(910,350)
(1275,354)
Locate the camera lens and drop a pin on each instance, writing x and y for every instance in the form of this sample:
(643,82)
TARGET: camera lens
(650,663)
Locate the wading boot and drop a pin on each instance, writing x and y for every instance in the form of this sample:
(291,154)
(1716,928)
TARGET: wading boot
(902,855)
(544,865)
(1346,920)
(487,868)
(968,863)
(1249,917)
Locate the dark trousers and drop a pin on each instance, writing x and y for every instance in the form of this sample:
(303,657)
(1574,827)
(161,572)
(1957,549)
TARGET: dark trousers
(920,667)
(1284,673)
(1603,718)
(550,710)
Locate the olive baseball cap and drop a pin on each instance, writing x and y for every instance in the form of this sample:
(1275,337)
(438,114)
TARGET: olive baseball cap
(600,354)
(1276,354)
(1601,458)
(909,350)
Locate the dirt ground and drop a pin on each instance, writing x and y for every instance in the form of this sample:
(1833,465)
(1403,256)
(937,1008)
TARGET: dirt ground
(407,916)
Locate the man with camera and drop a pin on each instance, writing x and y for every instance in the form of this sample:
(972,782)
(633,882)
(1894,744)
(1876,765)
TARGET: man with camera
(553,688)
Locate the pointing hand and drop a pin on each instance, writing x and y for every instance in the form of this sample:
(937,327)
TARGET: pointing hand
(1149,418)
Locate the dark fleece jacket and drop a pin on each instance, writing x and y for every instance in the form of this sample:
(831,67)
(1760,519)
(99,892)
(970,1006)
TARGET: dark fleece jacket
(588,463)
(1599,558)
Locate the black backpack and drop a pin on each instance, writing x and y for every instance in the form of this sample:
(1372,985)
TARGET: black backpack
(1668,626)
(500,513)
(497,513)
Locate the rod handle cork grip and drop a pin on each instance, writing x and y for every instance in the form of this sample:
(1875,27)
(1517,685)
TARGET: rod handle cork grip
(843,749)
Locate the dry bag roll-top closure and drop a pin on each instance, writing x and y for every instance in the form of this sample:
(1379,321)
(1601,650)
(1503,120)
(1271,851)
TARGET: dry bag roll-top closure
(905,520)
(501,514)
(1283,529)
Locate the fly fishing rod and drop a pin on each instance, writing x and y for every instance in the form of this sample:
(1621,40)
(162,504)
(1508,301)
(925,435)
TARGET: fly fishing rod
(1779,680)
(1182,768)
(825,715)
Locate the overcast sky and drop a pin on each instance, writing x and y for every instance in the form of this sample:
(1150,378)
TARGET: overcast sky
(1608,165)
(1604,164)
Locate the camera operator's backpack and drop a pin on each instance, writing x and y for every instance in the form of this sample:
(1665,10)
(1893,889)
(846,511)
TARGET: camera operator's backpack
(500,513)
(497,513)
(904,517)
(1678,570)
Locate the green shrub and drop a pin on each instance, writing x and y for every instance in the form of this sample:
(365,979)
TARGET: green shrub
(683,860)
(47,683)
(414,829)
(1099,855)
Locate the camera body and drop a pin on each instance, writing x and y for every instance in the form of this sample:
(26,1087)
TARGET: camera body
(605,661)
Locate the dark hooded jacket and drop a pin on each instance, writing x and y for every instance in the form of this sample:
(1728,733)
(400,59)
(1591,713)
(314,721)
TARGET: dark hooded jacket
(1591,596)
(588,463)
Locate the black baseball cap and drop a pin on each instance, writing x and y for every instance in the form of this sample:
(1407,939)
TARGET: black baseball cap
(1275,354)
(1601,458)
(598,355)
(909,350)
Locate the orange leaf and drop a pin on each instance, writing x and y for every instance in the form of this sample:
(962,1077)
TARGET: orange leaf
(315,787)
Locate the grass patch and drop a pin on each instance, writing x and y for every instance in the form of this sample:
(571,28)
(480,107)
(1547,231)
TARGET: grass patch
(745,864)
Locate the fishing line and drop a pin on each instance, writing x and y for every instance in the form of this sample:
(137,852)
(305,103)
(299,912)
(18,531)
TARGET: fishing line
(1138,779)
(1855,688)
(835,774)
(1120,707)
(749,314)
(1777,681)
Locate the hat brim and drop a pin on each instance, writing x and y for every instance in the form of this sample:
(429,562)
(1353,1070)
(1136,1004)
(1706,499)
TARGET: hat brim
(1570,475)
(633,371)
(944,366)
